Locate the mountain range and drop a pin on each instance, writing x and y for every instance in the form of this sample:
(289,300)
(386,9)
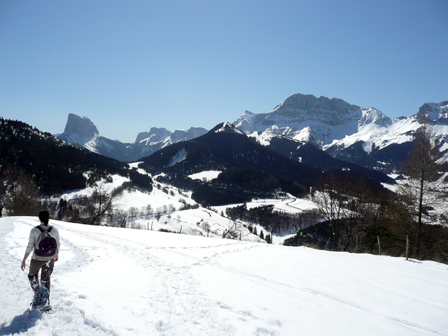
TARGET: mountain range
(248,169)
(364,136)
(80,131)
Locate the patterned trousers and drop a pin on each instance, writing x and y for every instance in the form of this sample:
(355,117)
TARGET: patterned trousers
(46,268)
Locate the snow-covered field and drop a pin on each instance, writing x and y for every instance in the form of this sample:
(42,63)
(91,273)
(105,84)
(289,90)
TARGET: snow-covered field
(112,281)
(200,221)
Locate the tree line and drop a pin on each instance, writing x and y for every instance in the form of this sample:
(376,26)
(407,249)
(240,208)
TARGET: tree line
(361,218)
(273,221)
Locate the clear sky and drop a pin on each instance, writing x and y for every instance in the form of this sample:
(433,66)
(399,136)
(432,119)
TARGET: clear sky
(132,65)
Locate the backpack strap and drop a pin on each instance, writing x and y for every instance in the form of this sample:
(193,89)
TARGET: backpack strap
(42,230)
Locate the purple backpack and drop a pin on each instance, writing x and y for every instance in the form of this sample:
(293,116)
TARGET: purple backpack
(46,244)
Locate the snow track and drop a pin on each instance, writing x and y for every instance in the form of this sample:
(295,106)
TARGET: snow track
(112,281)
(165,290)
(69,320)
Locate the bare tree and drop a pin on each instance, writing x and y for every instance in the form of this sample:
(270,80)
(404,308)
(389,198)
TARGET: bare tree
(102,201)
(365,212)
(349,204)
(329,198)
(422,169)
(23,196)
(206,226)
(149,210)
(119,219)
(133,212)
(171,208)
(232,231)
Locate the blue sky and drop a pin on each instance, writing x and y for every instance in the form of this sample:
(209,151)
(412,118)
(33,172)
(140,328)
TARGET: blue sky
(132,65)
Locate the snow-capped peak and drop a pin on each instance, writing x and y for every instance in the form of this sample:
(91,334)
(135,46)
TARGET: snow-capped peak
(226,127)
(245,122)
(373,116)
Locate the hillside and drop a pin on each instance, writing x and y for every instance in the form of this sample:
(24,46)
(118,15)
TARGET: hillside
(309,154)
(224,146)
(56,165)
(171,284)
(248,169)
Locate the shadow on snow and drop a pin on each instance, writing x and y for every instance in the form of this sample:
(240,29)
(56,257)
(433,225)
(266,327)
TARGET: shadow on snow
(21,323)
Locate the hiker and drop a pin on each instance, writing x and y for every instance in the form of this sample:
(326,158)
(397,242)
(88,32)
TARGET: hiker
(42,260)
(1,208)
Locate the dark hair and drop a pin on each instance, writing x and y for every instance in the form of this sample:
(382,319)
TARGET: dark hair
(44,216)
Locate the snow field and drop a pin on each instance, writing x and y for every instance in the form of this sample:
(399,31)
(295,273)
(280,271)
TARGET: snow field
(199,221)
(205,175)
(113,281)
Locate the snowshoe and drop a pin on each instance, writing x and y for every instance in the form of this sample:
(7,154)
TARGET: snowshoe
(41,298)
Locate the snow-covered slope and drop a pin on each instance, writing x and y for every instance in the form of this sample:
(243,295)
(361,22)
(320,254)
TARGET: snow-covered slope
(373,135)
(386,143)
(401,130)
(112,281)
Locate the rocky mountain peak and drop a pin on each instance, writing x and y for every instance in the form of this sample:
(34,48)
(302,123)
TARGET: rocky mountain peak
(333,112)
(433,113)
(309,102)
(82,126)
(165,137)
(305,117)
(154,135)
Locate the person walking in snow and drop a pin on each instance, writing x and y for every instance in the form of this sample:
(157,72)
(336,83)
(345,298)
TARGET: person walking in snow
(1,209)
(43,262)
